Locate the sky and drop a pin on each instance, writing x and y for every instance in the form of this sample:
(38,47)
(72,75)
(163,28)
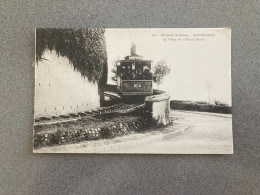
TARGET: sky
(200,59)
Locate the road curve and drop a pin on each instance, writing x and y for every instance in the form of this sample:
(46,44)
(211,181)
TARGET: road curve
(208,134)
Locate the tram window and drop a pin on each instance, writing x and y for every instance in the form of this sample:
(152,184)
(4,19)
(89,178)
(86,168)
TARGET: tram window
(146,67)
(139,75)
(127,75)
(136,71)
(147,74)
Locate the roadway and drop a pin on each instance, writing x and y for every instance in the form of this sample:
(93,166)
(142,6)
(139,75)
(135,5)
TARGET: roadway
(208,133)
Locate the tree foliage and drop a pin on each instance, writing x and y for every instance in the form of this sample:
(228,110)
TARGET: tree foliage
(114,74)
(160,71)
(85,49)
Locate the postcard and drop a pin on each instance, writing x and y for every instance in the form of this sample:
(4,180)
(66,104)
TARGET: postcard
(133,91)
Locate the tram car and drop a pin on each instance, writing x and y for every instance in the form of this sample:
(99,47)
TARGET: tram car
(134,77)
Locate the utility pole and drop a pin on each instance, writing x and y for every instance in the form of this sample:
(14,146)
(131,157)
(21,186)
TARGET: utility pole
(209,85)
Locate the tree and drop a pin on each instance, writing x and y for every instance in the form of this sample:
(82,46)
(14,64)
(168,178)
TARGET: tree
(160,71)
(114,71)
(114,76)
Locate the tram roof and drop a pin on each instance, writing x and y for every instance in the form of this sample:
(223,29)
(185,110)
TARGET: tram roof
(135,60)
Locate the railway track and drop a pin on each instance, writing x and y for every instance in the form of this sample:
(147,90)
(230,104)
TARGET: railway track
(120,108)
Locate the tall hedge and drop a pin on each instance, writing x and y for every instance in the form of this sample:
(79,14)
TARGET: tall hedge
(85,49)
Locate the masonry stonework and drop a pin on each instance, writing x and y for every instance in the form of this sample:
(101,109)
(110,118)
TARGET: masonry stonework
(61,90)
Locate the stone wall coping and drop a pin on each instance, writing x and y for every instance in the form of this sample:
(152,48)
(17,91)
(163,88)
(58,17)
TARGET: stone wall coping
(157,98)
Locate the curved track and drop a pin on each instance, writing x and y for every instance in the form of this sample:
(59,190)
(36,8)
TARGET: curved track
(117,108)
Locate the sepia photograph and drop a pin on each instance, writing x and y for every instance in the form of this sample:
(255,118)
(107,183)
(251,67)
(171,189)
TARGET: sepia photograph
(133,91)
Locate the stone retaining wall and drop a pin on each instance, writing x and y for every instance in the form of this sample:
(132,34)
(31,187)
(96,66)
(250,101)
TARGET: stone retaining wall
(158,107)
(77,134)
